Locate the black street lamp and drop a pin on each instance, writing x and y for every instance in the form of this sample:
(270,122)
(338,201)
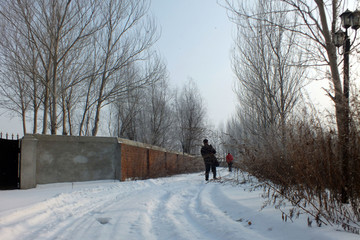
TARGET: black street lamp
(348,19)
(341,38)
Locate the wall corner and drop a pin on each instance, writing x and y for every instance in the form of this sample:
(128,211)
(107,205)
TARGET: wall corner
(28,162)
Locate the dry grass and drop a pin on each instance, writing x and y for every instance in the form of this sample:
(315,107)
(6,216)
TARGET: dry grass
(305,171)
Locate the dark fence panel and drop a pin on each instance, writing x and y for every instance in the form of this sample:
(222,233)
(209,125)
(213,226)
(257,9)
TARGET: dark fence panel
(9,164)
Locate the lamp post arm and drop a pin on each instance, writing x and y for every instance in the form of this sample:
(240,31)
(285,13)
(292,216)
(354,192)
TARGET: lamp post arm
(351,44)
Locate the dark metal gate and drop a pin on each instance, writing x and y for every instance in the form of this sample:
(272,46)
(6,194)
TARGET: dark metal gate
(9,164)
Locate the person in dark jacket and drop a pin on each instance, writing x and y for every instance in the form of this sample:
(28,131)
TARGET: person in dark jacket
(208,154)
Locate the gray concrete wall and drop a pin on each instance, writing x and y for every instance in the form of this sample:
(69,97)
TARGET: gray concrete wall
(68,158)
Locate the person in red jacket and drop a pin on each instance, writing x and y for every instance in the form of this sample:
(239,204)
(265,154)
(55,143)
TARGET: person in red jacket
(229,160)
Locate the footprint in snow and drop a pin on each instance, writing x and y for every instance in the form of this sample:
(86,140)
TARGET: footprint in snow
(103,220)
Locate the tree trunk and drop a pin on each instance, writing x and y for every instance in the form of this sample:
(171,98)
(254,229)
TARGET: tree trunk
(64,116)
(35,114)
(341,101)
(97,119)
(46,108)
(24,121)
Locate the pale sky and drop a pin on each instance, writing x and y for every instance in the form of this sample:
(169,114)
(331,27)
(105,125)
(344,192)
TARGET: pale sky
(195,42)
(196,39)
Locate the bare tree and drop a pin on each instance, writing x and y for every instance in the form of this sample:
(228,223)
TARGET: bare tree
(15,94)
(52,29)
(87,98)
(190,113)
(156,117)
(19,61)
(267,65)
(124,40)
(75,51)
(141,112)
(319,20)
(127,108)
(75,73)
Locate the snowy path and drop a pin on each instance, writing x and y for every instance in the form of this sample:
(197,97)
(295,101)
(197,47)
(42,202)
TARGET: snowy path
(180,207)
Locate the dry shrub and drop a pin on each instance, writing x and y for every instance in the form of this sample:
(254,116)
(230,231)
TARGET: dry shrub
(302,167)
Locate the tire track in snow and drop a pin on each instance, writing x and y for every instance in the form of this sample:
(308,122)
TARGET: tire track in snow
(60,216)
(115,220)
(209,202)
(154,209)
(176,212)
(190,213)
(201,217)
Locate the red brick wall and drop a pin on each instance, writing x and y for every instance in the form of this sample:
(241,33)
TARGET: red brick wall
(133,162)
(142,162)
(157,163)
(172,163)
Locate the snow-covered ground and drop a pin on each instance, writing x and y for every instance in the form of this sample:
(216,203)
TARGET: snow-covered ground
(179,207)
